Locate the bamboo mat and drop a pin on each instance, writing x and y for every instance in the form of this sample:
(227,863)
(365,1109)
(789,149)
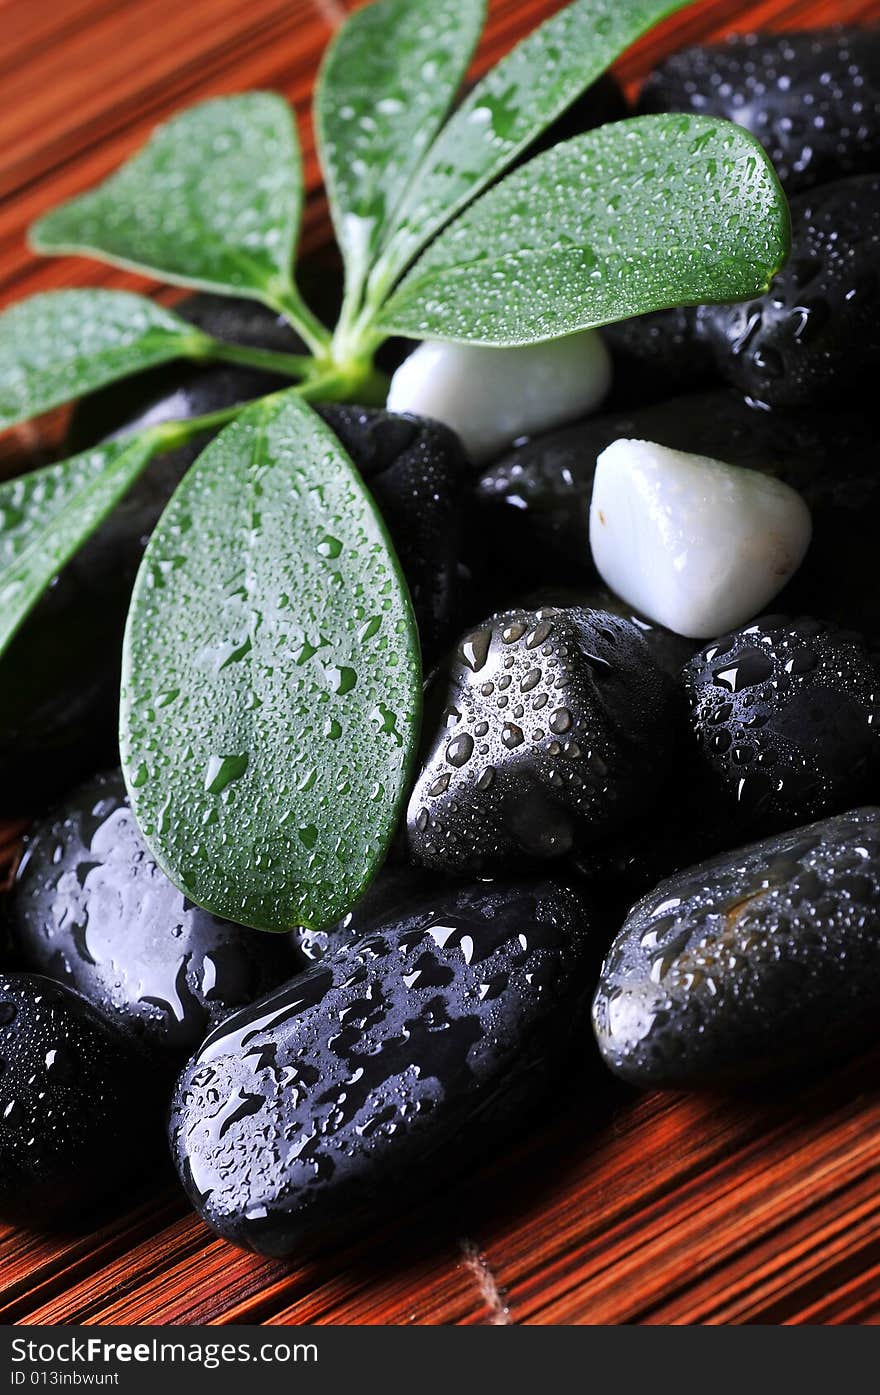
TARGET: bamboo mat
(623,1208)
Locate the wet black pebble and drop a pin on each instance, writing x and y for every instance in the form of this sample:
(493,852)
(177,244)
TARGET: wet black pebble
(75,1100)
(786,716)
(659,354)
(91,909)
(668,650)
(394,1062)
(544,730)
(531,509)
(397,886)
(762,960)
(811,98)
(814,338)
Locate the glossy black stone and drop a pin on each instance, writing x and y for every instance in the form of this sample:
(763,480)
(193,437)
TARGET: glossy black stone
(532,507)
(668,650)
(90,908)
(398,885)
(684,826)
(74,1099)
(416,470)
(544,730)
(659,354)
(395,1061)
(786,717)
(814,338)
(811,98)
(762,960)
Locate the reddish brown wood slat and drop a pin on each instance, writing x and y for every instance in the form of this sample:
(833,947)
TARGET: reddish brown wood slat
(656,1209)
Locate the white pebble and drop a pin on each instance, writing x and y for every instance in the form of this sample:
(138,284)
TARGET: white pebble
(493,396)
(694,544)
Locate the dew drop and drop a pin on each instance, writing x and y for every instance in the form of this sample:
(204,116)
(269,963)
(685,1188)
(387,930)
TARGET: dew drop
(539,634)
(460,750)
(560,721)
(531,680)
(222,771)
(474,649)
(14,1114)
(343,679)
(329,546)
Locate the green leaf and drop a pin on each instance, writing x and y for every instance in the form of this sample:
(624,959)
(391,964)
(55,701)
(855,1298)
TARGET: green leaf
(517,100)
(46,516)
(271,680)
(386,83)
(213,200)
(59,345)
(637,216)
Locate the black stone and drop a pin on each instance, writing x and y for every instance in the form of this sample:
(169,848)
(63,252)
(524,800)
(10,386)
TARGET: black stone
(75,1100)
(811,98)
(814,338)
(90,908)
(545,730)
(392,1063)
(763,960)
(786,719)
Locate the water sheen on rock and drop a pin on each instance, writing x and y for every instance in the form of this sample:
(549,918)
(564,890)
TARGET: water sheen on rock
(760,960)
(91,909)
(411,1051)
(546,730)
(77,1106)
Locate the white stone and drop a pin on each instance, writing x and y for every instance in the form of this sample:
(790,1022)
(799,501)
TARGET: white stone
(493,396)
(696,545)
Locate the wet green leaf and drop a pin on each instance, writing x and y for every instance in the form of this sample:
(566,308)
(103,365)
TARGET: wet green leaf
(59,345)
(271,680)
(387,81)
(46,516)
(510,107)
(213,201)
(639,215)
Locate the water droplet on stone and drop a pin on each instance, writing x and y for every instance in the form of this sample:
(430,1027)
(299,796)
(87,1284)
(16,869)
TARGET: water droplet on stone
(474,649)
(460,750)
(560,721)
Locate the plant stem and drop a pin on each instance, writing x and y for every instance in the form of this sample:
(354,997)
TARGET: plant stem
(289,303)
(358,381)
(288,365)
(172,434)
(339,383)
